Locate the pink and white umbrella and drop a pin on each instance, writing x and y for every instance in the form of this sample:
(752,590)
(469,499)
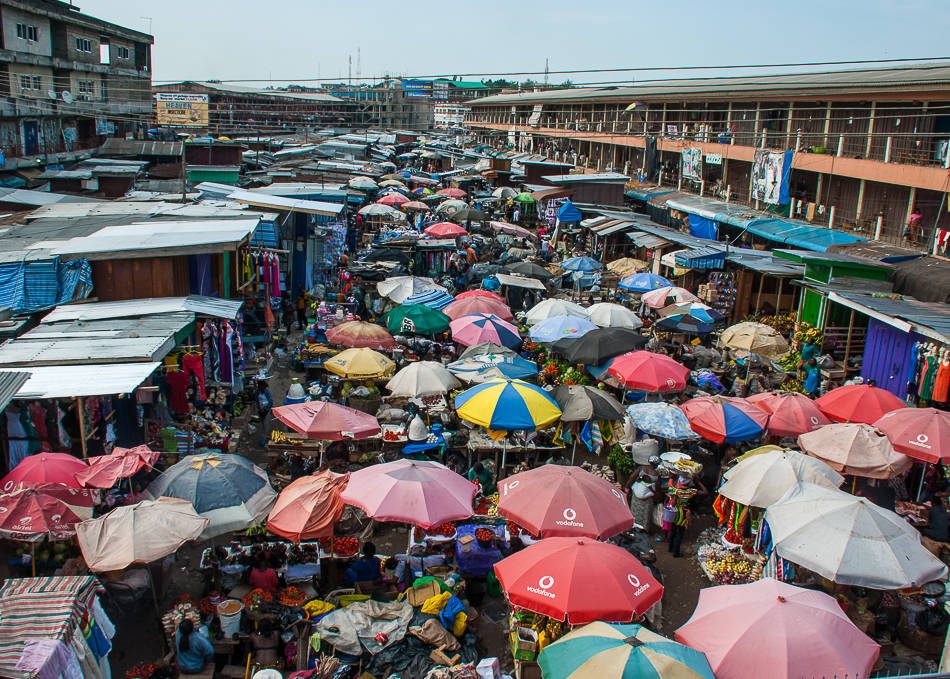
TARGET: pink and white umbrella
(445,230)
(922,433)
(478,305)
(661,297)
(421,493)
(476,328)
(326,421)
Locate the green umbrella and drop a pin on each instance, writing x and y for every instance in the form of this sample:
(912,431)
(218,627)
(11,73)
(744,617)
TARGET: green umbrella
(524,198)
(416,318)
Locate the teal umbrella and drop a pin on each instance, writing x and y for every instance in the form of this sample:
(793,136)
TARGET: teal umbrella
(416,318)
(621,652)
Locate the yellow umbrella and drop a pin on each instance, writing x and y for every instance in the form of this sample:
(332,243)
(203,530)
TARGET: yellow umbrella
(360,363)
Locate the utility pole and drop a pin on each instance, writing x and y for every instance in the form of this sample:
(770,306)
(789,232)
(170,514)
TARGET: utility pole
(546,71)
(349,72)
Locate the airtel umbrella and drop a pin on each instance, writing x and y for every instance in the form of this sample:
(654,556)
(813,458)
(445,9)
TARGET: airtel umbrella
(44,468)
(555,500)
(790,413)
(578,580)
(858,403)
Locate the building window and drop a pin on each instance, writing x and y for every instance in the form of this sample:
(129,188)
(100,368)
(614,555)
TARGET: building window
(83,45)
(31,82)
(87,90)
(122,52)
(27,32)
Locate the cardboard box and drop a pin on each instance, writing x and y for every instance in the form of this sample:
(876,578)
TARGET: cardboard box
(524,643)
(488,668)
(527,670)
(416,596)
(466,542)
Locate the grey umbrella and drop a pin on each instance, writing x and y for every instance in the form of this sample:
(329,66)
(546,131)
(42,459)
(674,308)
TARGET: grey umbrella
(580,403)
(486,348)
(530,269)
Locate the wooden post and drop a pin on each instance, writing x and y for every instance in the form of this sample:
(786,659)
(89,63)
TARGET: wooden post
(867,147)
(778,295)
(80,411)
(758,297)
(847,344)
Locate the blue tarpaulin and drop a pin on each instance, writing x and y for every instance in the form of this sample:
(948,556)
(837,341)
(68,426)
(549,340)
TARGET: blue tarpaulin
(26,287)
(568,212)
(265,234)
(702,227)
(813,238)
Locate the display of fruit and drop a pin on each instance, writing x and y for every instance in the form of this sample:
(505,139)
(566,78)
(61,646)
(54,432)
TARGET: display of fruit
(514,529)
(143,670)
(493,507)
(444,529)
(346,546)
(391,435)
(418,534)
(729,569)
(291,596)
(257,596)
(209,604)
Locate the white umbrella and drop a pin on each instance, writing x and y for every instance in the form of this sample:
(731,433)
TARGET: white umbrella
(609,315)
(362,183)
(504,192)
(451,205)
(422,378)
(554,307)
(849,540)
(856,449)
(378,210)
(762,480)
(141,533)
(400,287)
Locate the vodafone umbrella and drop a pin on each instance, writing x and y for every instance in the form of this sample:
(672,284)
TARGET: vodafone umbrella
(35,514)
(555,500)
(452,192)
(105,470)
(722,419)
(922,433)
(308,508)
(393,200)
(44,468)
(578,580)
(646,371)
(478,305)
(858,403)
(412,491)
(790,413)
(327,421)
(856,450)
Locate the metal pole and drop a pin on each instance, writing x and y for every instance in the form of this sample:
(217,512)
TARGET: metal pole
(80,410)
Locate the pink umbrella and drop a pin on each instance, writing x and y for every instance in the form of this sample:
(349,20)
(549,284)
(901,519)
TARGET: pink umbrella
(393,199)
(43,468)
(452,192)
(646,371)
(487,294)
(661,297)
(770,629)
(478,305)
(418,492)
(474,329)
(856,449)
(105,470)
(858,403)
(326,421)
(922,433)
(790,413)
(445,230)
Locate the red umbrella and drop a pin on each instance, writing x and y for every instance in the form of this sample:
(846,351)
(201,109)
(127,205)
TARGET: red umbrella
(393,199)
(445,230)
(921,433)
(452,192)
(478,305)
(858,403)
(579,580)
(33,514)
(791,413)
(327,421)
(479,292)
(646,371)
(555,500)
(308,508)
(722,419)
(44,468)
(361,334)
(105,470)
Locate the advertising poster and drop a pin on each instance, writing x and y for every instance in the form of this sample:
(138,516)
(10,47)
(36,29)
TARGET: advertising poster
(181,110)
(770,173)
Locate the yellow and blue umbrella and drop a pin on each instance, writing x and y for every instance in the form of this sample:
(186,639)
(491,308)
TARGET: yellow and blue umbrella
(623,652)
(507,405)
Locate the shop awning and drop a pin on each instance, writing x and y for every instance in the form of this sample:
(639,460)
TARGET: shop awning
(647,240)
(198,304)
(70,381)
(520,281)
(546,194)
(806,237)
(10,383)
(701,258)
(282,204)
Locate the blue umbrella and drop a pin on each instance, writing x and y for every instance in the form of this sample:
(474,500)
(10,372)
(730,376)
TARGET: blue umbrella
(643,282)
(560,327)
(696,310)
(433,298)
(580,264)
(488,366)
(665,420)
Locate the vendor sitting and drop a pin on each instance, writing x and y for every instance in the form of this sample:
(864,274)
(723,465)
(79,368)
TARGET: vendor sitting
(194,649)
(476,561)
(266,642)
(263,576)
(368,568)
(480,475)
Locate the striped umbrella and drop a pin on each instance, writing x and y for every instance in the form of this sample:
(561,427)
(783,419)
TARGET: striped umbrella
(507,405)
(601,649)
(722,419)
(485,367)
(476,328)
(434,298)
(643,282)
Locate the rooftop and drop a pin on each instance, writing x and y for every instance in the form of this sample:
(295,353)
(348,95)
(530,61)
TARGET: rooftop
(249,91)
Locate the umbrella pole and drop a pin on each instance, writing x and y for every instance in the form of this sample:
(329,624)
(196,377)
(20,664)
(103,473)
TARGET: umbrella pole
(33,558)
(923,475)
(80,411)
(504,456)
(573,449)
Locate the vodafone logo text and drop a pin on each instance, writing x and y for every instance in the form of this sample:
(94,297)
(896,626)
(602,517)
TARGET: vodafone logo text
(635,581)
(544,584)
(569,516)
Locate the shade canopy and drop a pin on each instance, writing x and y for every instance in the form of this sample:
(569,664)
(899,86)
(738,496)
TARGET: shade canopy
(416,318)
(477,328)
(556,328)
(600,344)
(921,433)
(478,305)
(37,513)
(725,420)
(856,450)
(790,413)
(41,468)
(646,371)
(665,420)
(530,269)
(422,378)
(104,471)
(858,403)
(553,307)
(479,368)
(360,364)
(643,282)
(580,264)
(327,421)
(400,287)
(579,403)
(762,480)
(507,405)
(434,296)
(610,315)
(356,334)
(667,295)
(445,230)
(309,507)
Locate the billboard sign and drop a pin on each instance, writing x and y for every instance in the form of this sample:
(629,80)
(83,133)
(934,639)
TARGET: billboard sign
(174,109)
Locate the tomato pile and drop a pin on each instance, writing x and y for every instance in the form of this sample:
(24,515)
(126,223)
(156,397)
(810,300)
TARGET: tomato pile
(292,596)
(256,596)
(346,546)
(141,671)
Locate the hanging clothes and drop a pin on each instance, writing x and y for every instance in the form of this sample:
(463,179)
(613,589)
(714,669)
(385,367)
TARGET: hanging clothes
(928,378)
(227,357)
(275,276)
(191,365)
(942,382)
(16,435)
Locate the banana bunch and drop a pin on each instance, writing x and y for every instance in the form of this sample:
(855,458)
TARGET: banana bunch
(282,438)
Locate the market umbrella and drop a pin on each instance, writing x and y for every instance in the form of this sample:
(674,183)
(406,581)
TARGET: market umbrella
(560,501)
(387,255)
(393,200)
(581,264)
(762,480)
(770,629)
(530,269)
(646,371)
(104,471)
(513,229)
(855,449)
(391,177)
(507,405)
(228,490)
(643,282)
(600,649)
(400,287)
(578,579)
(377,210)
(422,191)
(37,513)
(626,266)
(416,318)
(475,328)
(486,348)
(610,315)
(416,206)
(449,206)
(556,328)
(478,368)
(667,295)
(359,364)
(723,419)
(665,420)
(553,307)
(421,493)
(435,297)
(469,214)
(362,183)
(600,344)
(790,413)
(689,317)
(858,403)
(422,378)
(141,533)
(922,433)
(40,468)
(849,540)
(480,292)
(504,192)
(309,507)
(756,338)
(361,334)
(580,403)
(445,230)
(327,421)
(524,197)
(452,192)
(478,305)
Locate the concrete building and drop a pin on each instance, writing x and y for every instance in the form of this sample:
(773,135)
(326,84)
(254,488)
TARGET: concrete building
(390,104)
(865,146)
(68,81)
(446,115)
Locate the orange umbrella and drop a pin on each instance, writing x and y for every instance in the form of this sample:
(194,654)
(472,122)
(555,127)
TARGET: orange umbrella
(308,507)
(361,334)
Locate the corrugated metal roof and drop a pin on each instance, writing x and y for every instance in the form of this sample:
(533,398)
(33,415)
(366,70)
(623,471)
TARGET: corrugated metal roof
(313,207)
(29,353)
(40,198)
(10,383)
(70,381)
(198,304)
(134,147)
(238,89)
(931,319)
(113,208)
(769,266)
(647,240)
(594,177)
(831,258)
(156,325)
(807,237)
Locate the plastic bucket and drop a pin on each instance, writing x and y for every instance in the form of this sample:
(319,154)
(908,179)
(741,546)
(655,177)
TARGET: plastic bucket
(229,612)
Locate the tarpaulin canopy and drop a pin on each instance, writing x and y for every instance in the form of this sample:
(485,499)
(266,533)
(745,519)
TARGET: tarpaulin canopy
(568,212)
(29,286)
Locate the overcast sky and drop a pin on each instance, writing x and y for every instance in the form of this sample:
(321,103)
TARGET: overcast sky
(293,40)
